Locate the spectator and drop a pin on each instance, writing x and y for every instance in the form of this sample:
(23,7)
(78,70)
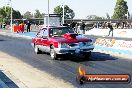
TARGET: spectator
(104,24)
(4,25)
(0,25)
(111,29)
(123,24)
(76,27)
(97,24)
(28,26)
(117,24)
(72,25)
(131,25)
(82,28)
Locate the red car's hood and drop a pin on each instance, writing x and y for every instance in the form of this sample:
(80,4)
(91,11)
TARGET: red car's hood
(70,38)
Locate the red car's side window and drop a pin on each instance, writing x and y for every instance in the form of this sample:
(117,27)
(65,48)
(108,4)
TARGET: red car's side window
(42,33)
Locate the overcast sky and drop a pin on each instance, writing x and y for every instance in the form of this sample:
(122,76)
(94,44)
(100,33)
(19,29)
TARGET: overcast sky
(82,8)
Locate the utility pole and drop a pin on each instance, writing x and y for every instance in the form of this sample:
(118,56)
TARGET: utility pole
(63,14)
(48,13)
(11,16)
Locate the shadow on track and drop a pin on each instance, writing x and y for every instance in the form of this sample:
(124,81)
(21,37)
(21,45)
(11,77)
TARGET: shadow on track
(95,56)
(2,40)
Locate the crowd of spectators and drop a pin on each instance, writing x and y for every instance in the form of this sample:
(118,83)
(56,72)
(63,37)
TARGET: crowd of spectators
(79,27)
(116,25)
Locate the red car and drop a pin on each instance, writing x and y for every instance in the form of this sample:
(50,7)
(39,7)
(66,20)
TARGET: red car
(60,41)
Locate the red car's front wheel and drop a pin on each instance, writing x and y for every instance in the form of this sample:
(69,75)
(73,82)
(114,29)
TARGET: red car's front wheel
(53,53)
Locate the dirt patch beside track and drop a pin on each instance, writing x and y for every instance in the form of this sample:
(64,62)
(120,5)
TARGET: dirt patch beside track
(26,76)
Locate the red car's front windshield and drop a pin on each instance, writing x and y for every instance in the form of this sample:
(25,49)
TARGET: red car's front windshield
(55,32)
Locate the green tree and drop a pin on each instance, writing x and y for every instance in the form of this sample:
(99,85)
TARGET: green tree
(120,10)
(16,14)
(42,14)
(68,13)
(107,16)
(2,12)
(38,14)
(27,15)
(5,13)
(94,17)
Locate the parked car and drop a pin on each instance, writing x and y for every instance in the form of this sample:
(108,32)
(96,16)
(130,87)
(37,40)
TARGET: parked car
(60,41)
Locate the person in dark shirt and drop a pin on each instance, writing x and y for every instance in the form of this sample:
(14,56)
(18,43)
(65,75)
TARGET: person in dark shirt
(82,28)
(111,29)
(72,25)
(28,26)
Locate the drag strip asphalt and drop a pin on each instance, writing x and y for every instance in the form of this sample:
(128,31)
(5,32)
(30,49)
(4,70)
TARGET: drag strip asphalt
(99,63)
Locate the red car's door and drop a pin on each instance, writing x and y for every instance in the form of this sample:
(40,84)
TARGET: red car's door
(44,41)
(39,37)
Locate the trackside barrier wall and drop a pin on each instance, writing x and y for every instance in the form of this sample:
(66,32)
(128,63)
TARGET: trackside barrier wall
(124,33)
(18,28)
(120,46)
(21,27)
(15,28)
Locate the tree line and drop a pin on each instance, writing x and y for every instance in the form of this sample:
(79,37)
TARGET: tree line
(5,13)
(120,12)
